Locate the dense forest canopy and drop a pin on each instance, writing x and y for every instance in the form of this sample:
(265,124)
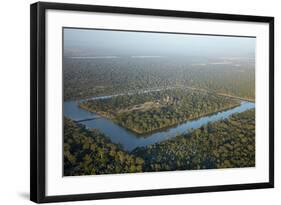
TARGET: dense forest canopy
(223,144)
(89,152)
(88,77)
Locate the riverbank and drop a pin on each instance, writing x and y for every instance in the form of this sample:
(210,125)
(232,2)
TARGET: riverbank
(130,140)
(132,92)
(141,133)
(160,117)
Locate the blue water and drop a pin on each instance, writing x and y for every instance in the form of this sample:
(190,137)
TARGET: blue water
(130,140)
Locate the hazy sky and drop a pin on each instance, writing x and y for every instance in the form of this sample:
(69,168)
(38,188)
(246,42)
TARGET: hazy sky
(85,42)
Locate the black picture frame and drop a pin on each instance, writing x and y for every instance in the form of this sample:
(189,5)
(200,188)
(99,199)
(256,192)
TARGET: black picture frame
(38,100)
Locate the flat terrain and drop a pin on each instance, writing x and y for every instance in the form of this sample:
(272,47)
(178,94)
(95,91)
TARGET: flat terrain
(149,101)
(85,78)
(223,144)
(147,112)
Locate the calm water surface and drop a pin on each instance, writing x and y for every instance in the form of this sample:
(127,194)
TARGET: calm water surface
(130,140)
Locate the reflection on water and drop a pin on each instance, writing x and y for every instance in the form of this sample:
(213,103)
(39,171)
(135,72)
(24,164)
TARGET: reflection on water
(130,140)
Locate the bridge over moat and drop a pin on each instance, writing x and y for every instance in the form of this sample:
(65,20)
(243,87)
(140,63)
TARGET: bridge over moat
(87,119)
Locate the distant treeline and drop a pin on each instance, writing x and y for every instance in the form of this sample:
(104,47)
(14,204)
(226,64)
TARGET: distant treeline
(223,144)
(84,78)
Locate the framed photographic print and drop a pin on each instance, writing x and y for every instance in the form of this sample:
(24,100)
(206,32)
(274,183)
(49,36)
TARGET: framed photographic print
(129,102)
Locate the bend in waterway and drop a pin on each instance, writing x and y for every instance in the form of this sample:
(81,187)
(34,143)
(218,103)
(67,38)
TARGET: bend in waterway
(130,140)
